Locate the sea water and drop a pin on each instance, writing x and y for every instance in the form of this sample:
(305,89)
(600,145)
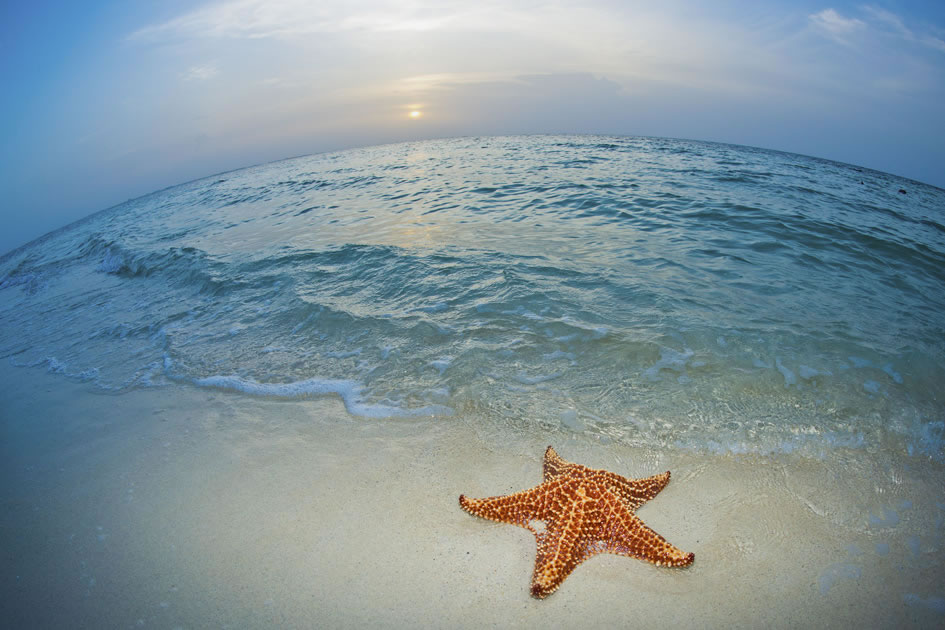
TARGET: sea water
(652,292)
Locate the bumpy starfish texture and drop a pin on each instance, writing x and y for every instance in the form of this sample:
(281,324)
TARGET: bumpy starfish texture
(585,512)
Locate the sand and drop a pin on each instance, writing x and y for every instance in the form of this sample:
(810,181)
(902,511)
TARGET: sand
(197,508)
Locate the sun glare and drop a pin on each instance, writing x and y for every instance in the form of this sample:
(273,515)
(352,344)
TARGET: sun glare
(415,113)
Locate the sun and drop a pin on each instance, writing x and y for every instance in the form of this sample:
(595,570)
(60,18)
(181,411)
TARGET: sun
(416,114)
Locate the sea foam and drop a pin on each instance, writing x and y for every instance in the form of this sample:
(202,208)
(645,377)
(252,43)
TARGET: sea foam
(351,392)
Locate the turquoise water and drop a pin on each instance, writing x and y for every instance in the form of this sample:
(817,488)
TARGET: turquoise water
(655,292)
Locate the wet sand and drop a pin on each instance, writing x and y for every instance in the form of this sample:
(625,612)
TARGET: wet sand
(199,508)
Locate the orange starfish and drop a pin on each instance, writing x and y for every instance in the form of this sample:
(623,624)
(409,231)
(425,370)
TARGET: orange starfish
(585,512)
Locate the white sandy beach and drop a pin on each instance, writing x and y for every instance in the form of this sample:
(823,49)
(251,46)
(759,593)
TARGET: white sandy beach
(197,508)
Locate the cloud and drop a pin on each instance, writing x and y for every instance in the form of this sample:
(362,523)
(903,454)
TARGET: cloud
(385,40)
(896,26)
(242,18)
(934,42)
(262,79)
(891,20)
(540,103)
(200,73)
(835,24)
(264,19)
(879,23)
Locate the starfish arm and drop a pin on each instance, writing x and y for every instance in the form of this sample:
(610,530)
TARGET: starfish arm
(562,547)
(516,509)
(633,492)
(627,535)
(553,464)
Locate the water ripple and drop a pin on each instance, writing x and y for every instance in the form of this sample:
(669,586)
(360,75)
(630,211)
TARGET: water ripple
(654,291)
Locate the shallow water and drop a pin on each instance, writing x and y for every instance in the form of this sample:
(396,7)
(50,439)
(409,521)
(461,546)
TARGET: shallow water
(652,292)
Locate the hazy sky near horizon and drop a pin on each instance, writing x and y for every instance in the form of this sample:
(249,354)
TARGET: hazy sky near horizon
(107,100)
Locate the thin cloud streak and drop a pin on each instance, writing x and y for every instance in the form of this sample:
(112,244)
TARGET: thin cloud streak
(896,24)
(201,73)
(259,19)
(876,23)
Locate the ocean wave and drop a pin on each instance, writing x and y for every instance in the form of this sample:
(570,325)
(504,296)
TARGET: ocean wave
(696,288)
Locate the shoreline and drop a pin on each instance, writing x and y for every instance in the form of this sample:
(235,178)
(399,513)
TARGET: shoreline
(181,506)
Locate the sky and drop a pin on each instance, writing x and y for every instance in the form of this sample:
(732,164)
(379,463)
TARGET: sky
(107,100)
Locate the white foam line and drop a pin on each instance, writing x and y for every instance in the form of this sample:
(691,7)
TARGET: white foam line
(350,392)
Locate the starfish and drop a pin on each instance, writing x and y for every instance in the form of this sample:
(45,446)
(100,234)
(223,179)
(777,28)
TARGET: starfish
(584,512)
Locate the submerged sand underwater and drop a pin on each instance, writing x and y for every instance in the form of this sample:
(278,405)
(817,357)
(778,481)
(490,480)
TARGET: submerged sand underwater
(187,507)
